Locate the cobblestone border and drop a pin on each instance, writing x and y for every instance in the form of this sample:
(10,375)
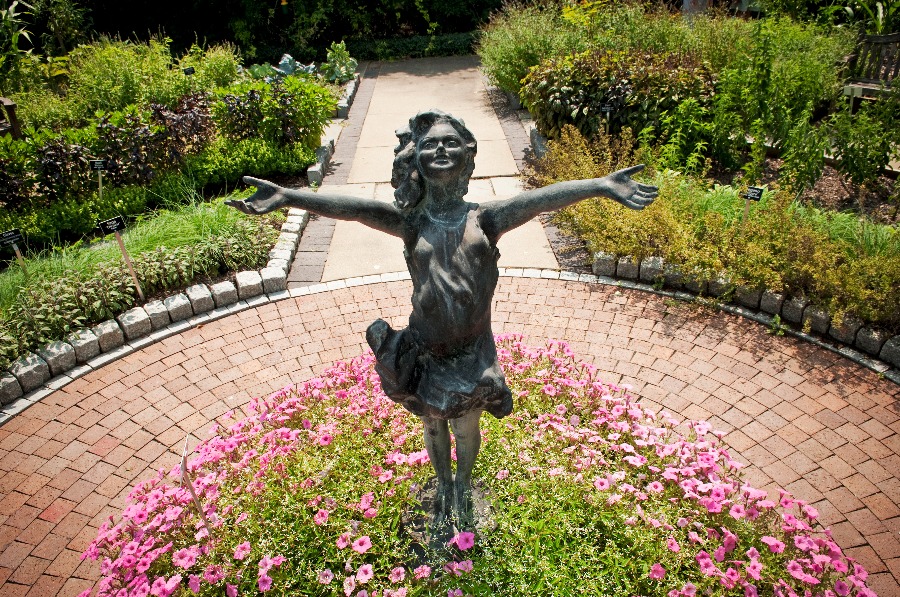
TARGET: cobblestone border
(46,388)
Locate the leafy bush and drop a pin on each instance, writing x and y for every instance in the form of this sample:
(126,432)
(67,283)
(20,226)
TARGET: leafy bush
(292,110)
(841,263)
(415,46)
(226,161)
(214,67)
(109,75)
(521,37)
(339,67)
(589,493)
(637,87)
(48,309)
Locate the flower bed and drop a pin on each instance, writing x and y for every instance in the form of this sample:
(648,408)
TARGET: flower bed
(590,493)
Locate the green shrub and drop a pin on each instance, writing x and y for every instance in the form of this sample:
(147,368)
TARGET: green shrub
(109,75)
(339,67)
(292,110)
(415,46)
(842,263)
(521,37)
(214,67)
(226,161)
(638,87)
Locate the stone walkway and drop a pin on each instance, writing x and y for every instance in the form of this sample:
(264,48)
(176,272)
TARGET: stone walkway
(802,417)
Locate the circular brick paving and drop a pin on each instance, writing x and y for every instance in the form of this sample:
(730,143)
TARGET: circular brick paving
(803,418)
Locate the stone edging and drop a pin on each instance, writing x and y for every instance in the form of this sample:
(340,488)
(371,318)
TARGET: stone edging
(859,343)
(316,173)
(261,298)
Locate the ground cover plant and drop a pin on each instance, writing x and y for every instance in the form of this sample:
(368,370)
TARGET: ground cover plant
(590,493)
(78,286)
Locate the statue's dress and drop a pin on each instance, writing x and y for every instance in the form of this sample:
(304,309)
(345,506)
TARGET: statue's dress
(444,364)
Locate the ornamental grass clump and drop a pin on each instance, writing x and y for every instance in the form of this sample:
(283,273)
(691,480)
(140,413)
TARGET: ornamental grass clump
(589,492)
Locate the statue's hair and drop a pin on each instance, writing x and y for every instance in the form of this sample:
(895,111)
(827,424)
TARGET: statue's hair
(405,176)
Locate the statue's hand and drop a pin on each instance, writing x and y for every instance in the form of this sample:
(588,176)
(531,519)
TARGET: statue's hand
(628,192)
(267,197)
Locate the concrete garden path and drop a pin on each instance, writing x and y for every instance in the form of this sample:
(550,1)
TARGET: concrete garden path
(800,416)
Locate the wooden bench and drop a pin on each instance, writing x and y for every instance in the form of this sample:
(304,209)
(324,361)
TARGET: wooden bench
(873,67)
(8,121)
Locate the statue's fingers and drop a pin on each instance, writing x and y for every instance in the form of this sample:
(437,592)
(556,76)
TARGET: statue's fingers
(257,182)
(632,170)
(647,188)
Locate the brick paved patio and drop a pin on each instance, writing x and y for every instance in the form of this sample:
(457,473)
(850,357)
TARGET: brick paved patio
(802,417)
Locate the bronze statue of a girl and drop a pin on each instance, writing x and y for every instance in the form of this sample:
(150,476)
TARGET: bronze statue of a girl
(443,366)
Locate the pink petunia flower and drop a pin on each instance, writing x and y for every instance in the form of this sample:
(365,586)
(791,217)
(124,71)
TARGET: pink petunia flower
(242,550)
(657,571)
(397,575)
(343,541)
(775,546)
(230,590)
(184,558)
(194,583)
(463,541)
(362,544)
(264,582)
(423,571)
(672,544)
(325,577)
(365,573)
(503,474)
(349,585)
(321,517)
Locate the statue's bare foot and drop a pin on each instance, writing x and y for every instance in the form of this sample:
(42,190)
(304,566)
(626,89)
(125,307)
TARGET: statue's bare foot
(441,527)
(463,507)
(442,509)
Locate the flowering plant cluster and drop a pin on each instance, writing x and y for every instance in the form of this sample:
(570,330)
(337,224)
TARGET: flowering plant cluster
(589,492)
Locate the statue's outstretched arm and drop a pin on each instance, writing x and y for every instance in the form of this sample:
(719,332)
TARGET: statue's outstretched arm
(501,216)
(268,197)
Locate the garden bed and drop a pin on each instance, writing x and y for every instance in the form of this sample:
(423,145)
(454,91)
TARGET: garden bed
(588,492)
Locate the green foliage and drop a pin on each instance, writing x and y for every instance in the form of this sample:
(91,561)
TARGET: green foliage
(109,75)
(863,142)
(64,25)
(12,32)
(292,110)
(225,161)
(520,37)
(804,153)
(840,262)
(640,88)
(214,67)
(339,66)
(415,46)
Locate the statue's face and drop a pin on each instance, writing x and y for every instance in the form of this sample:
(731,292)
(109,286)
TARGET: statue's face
(441,152)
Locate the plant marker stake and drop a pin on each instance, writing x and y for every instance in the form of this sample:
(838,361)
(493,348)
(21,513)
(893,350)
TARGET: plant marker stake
(12,238)
(186,480)
(752,194)
(20,259)
(130,266)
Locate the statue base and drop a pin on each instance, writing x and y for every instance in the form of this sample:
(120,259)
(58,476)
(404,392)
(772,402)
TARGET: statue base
(429,545)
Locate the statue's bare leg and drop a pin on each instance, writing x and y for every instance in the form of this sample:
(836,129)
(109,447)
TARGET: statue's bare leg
(437,443)
(468,442)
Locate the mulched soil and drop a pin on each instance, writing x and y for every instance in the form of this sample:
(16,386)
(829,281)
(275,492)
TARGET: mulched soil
(880,202)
